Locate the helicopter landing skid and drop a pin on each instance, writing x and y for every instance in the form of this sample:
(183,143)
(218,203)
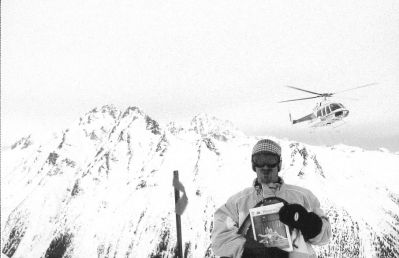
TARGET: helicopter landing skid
(339,124)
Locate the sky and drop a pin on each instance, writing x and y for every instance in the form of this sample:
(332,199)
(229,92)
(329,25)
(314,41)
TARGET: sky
(227,58)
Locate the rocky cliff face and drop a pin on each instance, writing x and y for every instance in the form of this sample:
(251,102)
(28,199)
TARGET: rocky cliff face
(103,188)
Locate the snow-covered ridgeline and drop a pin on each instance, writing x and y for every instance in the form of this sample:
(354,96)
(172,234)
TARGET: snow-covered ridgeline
(102,188)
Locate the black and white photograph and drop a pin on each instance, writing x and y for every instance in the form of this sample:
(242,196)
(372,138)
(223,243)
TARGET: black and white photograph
(266,226)
(149,128)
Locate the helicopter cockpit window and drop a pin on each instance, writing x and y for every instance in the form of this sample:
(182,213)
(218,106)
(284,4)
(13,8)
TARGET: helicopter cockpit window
(318,113)
(328,109)
(335,106)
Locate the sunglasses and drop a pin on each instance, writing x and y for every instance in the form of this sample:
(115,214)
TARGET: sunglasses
(261,160)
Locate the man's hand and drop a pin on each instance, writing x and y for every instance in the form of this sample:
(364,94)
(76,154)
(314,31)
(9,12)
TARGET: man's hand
(296,216)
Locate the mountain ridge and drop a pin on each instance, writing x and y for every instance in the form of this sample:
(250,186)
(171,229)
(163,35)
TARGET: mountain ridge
(106,181)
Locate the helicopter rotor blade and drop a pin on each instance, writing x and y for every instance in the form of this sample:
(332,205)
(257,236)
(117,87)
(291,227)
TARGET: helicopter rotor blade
(366,85)
(292,87)
(349,98)
(299,99)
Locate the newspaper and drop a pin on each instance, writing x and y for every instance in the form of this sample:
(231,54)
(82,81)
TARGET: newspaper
(267,226)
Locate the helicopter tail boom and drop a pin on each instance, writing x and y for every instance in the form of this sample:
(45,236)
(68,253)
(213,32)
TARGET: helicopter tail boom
(302,119)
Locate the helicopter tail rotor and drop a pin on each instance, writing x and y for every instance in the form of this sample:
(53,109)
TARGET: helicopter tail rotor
(293,121)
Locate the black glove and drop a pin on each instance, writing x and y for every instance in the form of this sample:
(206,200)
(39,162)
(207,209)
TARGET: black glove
(296,216)
(252,248)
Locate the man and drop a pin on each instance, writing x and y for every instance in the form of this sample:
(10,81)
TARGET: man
(301,212)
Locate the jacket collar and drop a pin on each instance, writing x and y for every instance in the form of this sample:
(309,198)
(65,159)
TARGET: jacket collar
(272,186)
(255,183)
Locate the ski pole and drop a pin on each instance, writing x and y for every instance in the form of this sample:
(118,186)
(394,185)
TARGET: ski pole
(178,221)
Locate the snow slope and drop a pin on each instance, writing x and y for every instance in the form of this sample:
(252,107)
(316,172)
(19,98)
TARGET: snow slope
(103,188)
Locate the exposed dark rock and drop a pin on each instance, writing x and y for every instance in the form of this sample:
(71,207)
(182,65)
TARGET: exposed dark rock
(187,249)
(59,246)
(100,250)
(24,142)
(209,252)
(98,152)
(52,158)
(394,197)
(220,137)
(106,155)
(14,239)
(76,189)
(152,125)
(386,246)
(110,109)
(210,145)
(306,157)
(318,166)
(162,145)
(163,243)
(198,193)
(131,109)
(174,129)
(346,240)
(141,185)
(63,139)
(69,162)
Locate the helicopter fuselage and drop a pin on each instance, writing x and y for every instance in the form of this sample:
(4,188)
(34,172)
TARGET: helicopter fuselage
(324,114)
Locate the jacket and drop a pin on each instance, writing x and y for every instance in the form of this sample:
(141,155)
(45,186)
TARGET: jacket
(227,242)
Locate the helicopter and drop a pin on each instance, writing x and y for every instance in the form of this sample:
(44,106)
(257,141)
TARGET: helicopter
(325,113)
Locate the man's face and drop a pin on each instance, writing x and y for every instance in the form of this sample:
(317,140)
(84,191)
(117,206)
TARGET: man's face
(267,167)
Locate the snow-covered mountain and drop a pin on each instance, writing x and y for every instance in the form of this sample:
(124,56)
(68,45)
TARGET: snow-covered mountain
(103,188)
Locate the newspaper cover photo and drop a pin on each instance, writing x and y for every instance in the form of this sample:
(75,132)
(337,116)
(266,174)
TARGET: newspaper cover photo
(267,226)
